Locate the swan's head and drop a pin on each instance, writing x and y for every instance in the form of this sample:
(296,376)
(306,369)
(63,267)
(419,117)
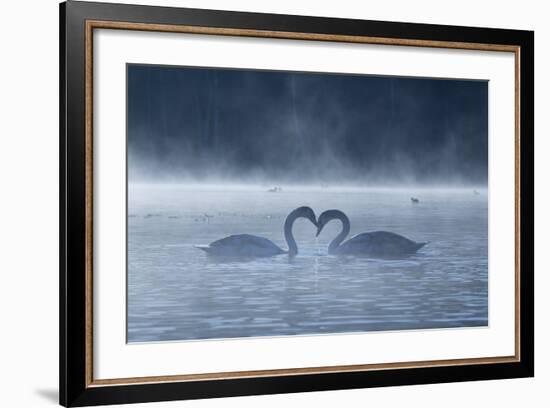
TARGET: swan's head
(326,217)
(321,222)
(307,212)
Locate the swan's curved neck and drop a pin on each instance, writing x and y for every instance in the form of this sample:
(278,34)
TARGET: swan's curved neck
(339,215)
(289,237)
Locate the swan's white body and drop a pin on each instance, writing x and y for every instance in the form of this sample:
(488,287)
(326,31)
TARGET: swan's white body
(245,245)
(376,244)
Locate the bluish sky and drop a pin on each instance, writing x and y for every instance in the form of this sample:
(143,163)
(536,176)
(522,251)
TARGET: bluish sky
(203,124)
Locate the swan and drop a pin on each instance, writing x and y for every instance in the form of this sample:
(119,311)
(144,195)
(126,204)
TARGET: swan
(376,244)
(245,245)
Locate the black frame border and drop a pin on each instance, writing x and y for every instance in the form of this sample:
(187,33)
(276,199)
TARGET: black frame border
(72,175)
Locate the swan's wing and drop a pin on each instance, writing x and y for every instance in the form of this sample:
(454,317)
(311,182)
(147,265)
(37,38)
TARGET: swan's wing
(357,244)
(243,245)
(380,243)
(243,240)
(390,238)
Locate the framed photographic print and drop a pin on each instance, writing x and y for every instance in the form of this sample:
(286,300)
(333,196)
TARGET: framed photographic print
(255,203)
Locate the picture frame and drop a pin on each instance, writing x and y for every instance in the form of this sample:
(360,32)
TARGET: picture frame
(79,21)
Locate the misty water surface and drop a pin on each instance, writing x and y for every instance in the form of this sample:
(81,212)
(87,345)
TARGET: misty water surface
(175,292)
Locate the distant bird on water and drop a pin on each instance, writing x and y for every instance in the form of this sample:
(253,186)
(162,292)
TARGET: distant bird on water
(414,200)
(245,245)
(376,244)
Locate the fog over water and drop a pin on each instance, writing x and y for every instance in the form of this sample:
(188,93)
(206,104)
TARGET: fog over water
(217,152)
(250,126)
